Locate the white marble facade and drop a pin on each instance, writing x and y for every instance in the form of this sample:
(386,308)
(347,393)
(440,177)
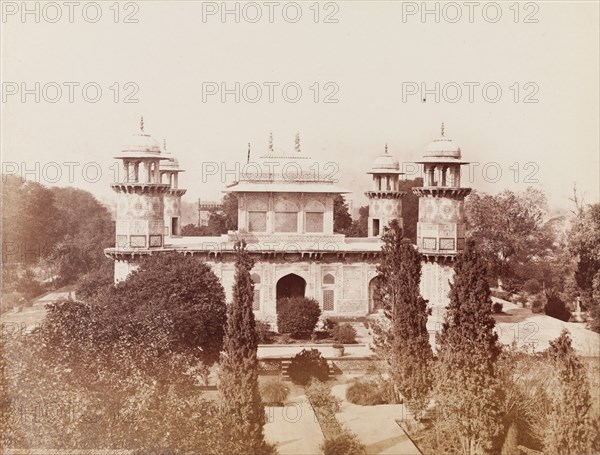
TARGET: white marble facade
(341,289)
(288,223)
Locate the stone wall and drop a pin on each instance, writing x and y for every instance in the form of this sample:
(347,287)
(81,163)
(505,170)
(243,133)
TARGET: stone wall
(435,285)
(348,281)
(140,220)
(441,224)
(290,213)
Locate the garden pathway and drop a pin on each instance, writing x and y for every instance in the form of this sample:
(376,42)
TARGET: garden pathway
(375,426)
(294,428)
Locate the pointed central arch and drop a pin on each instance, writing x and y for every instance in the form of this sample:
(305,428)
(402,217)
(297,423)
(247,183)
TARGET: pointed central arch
(290,285)
(375,303)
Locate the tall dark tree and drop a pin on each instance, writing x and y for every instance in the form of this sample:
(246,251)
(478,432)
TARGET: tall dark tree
(570,428)
(86,230)
(360,227)
(29,221)
(411,355)
(410,207)
(230,210)
(467,390)
(341,216)
(556,307)
(243,410)
(523,235)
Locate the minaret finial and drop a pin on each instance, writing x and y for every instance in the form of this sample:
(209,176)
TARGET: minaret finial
(271,141)
(165,145)
(297,143)
(248,159)
(442,129)
(386,148)
(142,124)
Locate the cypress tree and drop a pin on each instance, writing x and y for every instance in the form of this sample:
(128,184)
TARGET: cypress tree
(570,428)
(467,389)
(411,355)
(242,408)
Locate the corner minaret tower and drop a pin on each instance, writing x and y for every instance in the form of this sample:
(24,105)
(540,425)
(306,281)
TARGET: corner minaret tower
(140,223)
(385,197)
(441,224)
(169,173)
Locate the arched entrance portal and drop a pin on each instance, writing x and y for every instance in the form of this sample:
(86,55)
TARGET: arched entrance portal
(375,302)
(291,285)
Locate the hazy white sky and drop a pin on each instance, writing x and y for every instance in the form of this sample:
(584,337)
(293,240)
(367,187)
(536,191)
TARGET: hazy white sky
(369,56)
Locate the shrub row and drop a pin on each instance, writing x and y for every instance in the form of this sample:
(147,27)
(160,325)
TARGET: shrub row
(338,440)
(369,392)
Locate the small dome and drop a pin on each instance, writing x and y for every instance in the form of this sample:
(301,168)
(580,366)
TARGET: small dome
(442,147)
(142,142)
(385,163)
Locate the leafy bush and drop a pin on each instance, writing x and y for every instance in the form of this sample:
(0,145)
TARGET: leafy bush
(532,286)
(329,324)
(344,333)
(274,392)
(556,308)
(497,307)
(537,304)
(95,281)
(11,300)
(29,286)
(297,316)
(319,395)
(172,303)
(512,285)
(263,332)
(109,404)
(369,392)
(344,443)
(308,364)
(522,299)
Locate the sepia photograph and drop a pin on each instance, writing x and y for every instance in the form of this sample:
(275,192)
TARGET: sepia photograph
(300,227)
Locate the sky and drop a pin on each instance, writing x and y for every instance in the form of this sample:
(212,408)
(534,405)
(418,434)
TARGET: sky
(367,74)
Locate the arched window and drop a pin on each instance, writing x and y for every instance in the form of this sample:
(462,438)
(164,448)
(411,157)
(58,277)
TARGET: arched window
(255,277)
(328,279)
(328,292)
(314,211)
(257,216)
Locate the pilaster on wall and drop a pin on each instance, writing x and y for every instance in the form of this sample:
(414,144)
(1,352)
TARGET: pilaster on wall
(436,276)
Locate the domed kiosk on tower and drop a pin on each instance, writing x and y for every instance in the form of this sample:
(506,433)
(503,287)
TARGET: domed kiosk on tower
(139,222)
(385,197)
(441,223)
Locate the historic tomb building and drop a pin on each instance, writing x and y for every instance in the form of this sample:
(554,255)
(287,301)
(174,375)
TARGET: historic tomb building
(285,215)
